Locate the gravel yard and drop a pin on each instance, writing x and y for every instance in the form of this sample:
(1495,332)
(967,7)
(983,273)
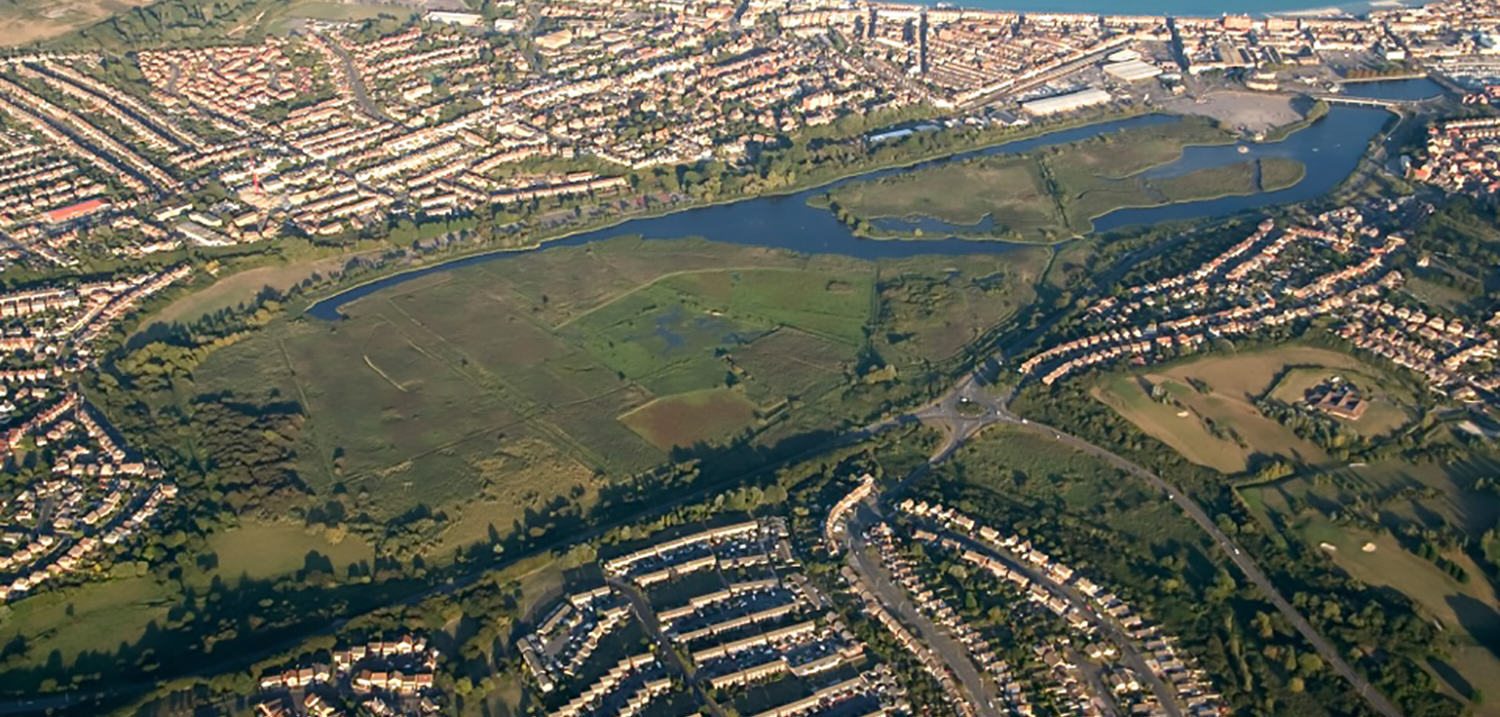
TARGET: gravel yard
(1249,112)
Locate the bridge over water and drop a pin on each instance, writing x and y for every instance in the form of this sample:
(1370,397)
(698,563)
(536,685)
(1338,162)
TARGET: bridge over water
(1367,101)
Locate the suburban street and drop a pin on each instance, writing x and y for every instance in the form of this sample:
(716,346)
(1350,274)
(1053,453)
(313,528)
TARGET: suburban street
(1244,562)
(1092,675)
(428,358)
(969,408)
(980,692)
(642,608)
(357,84)
(1111,628)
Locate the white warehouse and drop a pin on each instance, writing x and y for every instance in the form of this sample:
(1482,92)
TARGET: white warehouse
(1058,104)
(1132,70)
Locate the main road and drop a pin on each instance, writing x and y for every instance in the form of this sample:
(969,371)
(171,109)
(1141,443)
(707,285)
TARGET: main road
(670,656)
(970,407)
(357,84)
(1247,566)
(965,410)
(979,692)
(1130,653)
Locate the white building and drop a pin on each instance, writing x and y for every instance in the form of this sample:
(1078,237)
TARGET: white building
(1058,104)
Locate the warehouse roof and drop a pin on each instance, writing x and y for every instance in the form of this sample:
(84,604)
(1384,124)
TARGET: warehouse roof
(1066,102)
(1132,70)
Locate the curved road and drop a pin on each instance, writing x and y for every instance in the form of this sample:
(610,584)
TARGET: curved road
(1130,654)
(673,660)
(969,409)
(1244,562)
(966,411)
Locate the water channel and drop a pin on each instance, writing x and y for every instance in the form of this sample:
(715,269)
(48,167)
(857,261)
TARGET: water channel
(1330,149)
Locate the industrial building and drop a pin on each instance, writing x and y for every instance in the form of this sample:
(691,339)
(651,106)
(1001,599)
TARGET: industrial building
(1058,104)
(1132,70)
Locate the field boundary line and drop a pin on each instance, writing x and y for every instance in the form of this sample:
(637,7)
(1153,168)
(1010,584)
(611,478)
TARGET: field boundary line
(325,457)
(530,412)
(669,275)
(383,375)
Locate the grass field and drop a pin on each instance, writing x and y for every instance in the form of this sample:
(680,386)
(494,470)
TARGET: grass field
(26,21)
(788,362)
(345,12)
(1245,375)
(1056,192)
(1431,496)
(1221,427)
(489,391)
(1010,191)
(1465,608)
(292,15)
(931,307)
(1387,406)
(1085,192)
(1261,175)
(259,550)
(1213,429)
(1279,173)
(96,617)
(1184,430)
(241,288)
(1389,565)
(1400,497)
(1429,291)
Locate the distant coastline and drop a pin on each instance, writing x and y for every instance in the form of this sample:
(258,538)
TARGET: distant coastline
(1182,8)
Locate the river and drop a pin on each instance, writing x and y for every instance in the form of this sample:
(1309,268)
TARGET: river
(1330,149)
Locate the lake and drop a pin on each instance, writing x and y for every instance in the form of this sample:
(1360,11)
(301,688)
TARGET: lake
(1330,149)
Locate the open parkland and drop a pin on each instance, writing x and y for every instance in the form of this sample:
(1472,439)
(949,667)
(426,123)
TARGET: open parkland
(672,474)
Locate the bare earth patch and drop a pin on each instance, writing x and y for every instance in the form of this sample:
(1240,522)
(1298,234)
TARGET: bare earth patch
(28,21)
(1245,111)
(689,418)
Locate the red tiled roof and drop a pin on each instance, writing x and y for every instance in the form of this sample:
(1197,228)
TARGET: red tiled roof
(73,211)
